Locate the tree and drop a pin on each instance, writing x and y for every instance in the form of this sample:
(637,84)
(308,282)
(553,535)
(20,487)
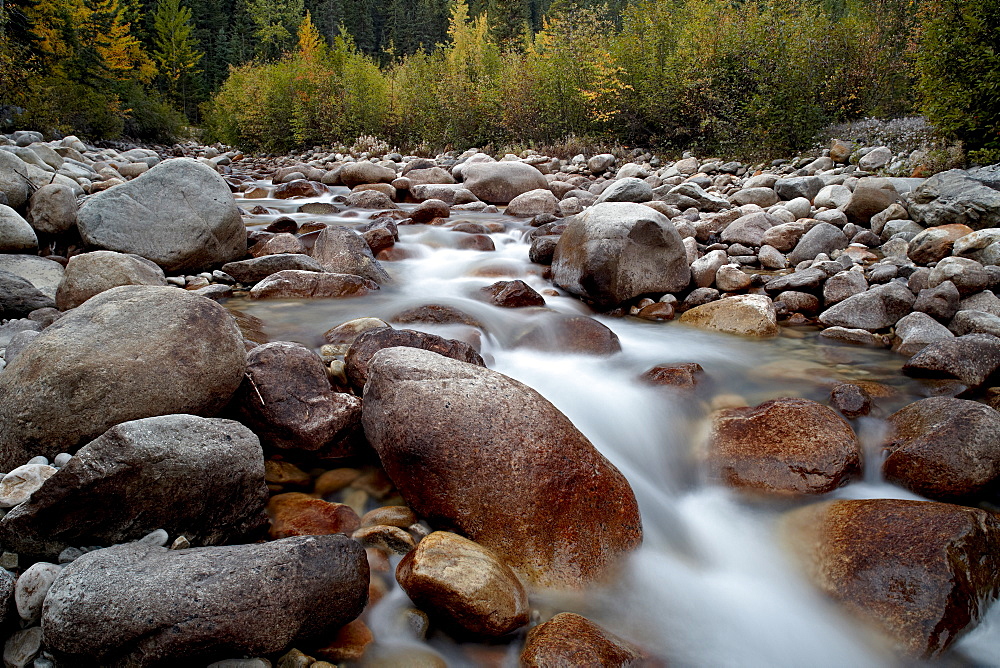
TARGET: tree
(508,23)
(174,48)
(276,22)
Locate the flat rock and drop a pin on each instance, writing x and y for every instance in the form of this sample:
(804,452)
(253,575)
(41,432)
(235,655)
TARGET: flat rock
(920,571)
(145,605)
(257,269)
(303,284)
(972,359)
(468,428)
(367,344)
(130,352)
(464,585)
(180,214)
(742,315)
(784,447)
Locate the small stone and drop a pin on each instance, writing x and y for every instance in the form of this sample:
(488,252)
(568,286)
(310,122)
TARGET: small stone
(684,375)
(386,538)
(284,473)
(62,459)
(333,481)
(295,659)
(349,644)
(297,514)
(569,639)
(22,647)
(180,543)
(69,555)
(18,485)
(8,560)
(395,516)
(852,401)
(40,459)
(159,538)
(31,588)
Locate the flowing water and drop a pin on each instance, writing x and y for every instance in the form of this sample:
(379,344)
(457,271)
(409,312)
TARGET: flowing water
(711,585)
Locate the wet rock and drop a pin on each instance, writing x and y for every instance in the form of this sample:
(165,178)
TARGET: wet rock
(430,209)
(180,214)
(347,332)
(972,359)
(466,427)
(463,584)
(940,302)
(936,243)
(686,375)
(851,400)
(278,244)
(298,188)
(92,273)
(355,174)
(349,644)
(366,345)
(116,358)
(957,196)
(341,250)
(533,203)
(569,639)
(299,284)
(185,474)
(396,516)
(919,571)
(917,330)
(18,485)
(614,252)
(783,447)
(297,514)
(821,238)
(287,400)
(574,334)
(513,294)
(257,269)
(16,235)
(943,448)
(18,297)
(877,308)
(657,312)
(742,315)
(151,605)
(500,182)
(370,199)
(388,539)
(437,314)
(52,209)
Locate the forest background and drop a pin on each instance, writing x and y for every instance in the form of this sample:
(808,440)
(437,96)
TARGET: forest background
(740,77)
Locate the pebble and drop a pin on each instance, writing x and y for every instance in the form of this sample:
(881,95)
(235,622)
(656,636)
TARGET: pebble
(386,538)
(8,560)
(180,543)
(158,538)
(39,460)
(69,555)
(62,459)
(31,588)
(18,485)
(22,647)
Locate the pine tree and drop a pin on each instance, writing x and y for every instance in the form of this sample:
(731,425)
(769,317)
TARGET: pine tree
(276,23)
(175,50)
(508,23)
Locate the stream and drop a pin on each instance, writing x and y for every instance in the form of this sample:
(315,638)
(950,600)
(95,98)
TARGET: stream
(711,584)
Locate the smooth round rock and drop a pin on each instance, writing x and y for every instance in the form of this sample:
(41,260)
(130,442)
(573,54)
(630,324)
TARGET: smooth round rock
(18,485)
(32,587)
(569,639)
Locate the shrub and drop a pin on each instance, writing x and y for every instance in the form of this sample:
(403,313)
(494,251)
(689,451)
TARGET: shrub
(56,105)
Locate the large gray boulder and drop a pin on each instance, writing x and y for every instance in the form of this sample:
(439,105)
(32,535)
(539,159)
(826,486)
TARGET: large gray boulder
(52,209)
(14,181)
(18,297)
(341,250)
(89,274)
(874,309)
(180,214)
(141,605)
(359,173)
(500,182)
(821,238)
(202,477)
(627,190)
(509,470)
(41,272)
(798,186)
(615,251)
(957,196)
(16,235)
(130,352)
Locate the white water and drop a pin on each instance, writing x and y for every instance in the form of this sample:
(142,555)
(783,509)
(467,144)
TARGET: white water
(711,585)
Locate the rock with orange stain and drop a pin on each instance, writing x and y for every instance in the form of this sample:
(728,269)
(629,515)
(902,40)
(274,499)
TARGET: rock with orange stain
(349,644)
(571,640)
(297,514)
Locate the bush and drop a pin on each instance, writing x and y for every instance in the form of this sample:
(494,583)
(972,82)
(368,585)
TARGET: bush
(958,62)
(56,105)
(149,117)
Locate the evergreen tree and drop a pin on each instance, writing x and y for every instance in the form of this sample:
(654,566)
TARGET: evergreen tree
(175,50)
(509,21)
(276,23)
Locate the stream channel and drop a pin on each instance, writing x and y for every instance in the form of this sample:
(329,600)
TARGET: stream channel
(711,584)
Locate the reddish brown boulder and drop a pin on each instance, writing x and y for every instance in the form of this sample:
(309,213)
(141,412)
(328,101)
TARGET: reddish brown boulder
(279,243)
(436,314)
(569,640)
(783,447)
(513,294)
(944,448)
(684,375)
(920,571)
(575,334)
(474,451)
(370,342)
(298,284)
(299,188)
(297,514)
(428,210)
(463,584)
(287,400)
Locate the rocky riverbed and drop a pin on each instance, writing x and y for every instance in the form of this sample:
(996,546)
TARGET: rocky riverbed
(395,410)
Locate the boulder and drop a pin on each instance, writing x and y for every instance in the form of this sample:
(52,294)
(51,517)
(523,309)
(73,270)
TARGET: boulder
(762,197)
(533,203)
(298,188)
(15,183)
(971,359)
(613,252)
(877,308)
(968,275)
(821,238)
(940,302)
(870,197)
(571,640)
(500,182)
(917,330)
(626,190)
(287,400)
(370,199)
(876,158)
(601,163)
(257,269)
(975,322)
(52,209)
(185,474)
(783,447)
(982,246)
(359,173)
(935,243)
(798,186)
(742,315)
(298,514)
(464,585)
(41,272)
(180,214)
(833,196)
(920,571)
(303,284)
(750,230)
(956,196)
(341,250)
(468,428)
(92,273)
(367,344)
(16,235)
(128,353)
(513,294)
(142,605)
(691,194)
(943,448)
(18,297)
(842,285)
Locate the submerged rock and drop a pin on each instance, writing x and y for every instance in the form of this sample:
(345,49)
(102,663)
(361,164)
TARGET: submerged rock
(505,462)
(569,639)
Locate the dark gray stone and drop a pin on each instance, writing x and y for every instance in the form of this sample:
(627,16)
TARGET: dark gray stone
(257,269)
(821,238)
(972,359)
(341,250)
(877,308)
(18,297)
